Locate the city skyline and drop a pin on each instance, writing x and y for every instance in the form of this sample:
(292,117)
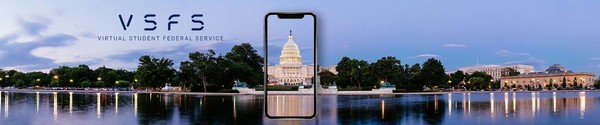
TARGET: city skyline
(460,33)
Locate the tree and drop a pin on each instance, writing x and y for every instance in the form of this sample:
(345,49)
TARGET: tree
(105,76)
(122,83)
(457,77)
(154,72)
(204,65)
(353,72)
(387,69)
(483,75)
(476,83)
(4,81)
(509,72)
(434,71)
(327,77)
(415,78)
(187,74)
(247,64)
(597,83)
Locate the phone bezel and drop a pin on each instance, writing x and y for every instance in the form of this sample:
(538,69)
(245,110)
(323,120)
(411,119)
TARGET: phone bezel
(315,85)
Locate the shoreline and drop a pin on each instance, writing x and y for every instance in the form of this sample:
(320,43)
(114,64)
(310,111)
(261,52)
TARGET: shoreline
(262,93)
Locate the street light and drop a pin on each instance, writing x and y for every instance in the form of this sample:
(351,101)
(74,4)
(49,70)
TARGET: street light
(582,83)
(99,78)
(55,77)
(6,76)
(71,80)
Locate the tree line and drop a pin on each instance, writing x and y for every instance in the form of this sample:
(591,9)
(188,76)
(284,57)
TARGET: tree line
(201,72)
(210,72)
(360,74)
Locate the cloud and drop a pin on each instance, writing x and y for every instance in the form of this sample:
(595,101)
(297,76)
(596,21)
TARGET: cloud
(454,46)
(539,63)
(18,55)
(34,27)
(425,56)
(595,59)
(509,53)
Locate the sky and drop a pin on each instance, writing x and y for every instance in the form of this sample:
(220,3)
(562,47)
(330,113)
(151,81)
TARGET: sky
(40,35)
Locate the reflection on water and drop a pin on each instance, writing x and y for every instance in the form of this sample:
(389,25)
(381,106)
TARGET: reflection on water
(6,105)
(152,108)
(290,105)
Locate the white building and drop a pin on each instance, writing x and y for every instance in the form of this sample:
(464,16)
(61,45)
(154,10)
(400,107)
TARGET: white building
(290,70)
(496,70)
(329,68)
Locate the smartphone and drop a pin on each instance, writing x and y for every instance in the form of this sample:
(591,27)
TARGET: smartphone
(290,46)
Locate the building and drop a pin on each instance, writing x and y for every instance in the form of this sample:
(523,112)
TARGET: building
(329,68)
(496,70)
(290,70)
(553,76)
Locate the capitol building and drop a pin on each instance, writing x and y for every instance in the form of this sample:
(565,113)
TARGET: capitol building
(290,70)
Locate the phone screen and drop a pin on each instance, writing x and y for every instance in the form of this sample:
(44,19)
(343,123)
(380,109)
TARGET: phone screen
(290,77)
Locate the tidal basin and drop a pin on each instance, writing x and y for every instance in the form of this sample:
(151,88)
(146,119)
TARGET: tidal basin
(77,108)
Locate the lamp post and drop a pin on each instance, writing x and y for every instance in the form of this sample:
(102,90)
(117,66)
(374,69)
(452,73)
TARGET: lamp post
(537,83)
(38,81)
(513,83)
(469,83)
(505,84)
(582,83)
(490,85)
(71,81)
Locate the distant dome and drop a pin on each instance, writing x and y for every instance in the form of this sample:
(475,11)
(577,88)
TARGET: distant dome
(290,53)
(557,68)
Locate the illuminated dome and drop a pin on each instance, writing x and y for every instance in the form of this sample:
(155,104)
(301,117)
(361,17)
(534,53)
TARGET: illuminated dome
(290,54)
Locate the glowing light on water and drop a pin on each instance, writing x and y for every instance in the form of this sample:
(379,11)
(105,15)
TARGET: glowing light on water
(450,104)
(538,101)
(234,109)
(70,102)
(37,100)
(98,105)
(135,104)
(382,109)
(506,104)
(514,101)
(581,104)
(0,98)
(533,103)
(55,111)
(464,101)
(492,104)
(554,102)
(116,102)
(435,102)
(469,103)
(6,105)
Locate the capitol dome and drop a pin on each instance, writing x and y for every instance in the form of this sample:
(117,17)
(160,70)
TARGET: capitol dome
(290,54)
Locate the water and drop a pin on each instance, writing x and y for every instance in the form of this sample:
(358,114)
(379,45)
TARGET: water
(24,108)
